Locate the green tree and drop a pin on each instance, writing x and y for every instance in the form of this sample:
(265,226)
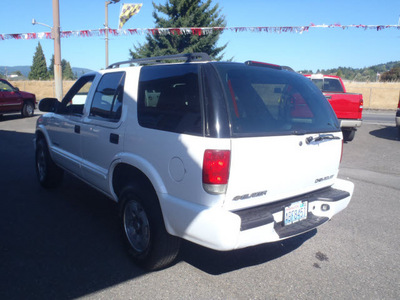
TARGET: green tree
(65,67)
(38,68)
(183,13)
(392,75)
(51,67)
(67,70)
(339,73)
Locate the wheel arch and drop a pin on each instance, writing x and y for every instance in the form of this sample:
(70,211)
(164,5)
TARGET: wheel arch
(32,100)
(41,133)
(124,174)
(128,167)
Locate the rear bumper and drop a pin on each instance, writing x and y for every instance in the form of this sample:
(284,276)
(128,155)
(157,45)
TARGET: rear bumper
(348,123)
(224,230)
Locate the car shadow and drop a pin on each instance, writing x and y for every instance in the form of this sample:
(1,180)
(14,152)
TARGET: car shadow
(10,117)
(62,243)
(16,116)
(218,262)
(387,132)
(66,242)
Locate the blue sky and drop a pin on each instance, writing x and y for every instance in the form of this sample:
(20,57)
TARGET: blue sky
(316,49)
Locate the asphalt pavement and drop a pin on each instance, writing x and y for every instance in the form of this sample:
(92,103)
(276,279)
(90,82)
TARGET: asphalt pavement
(379,117)
(66,243)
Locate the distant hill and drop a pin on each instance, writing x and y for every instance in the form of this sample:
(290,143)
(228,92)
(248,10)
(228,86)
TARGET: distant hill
(26,69)
(363,74)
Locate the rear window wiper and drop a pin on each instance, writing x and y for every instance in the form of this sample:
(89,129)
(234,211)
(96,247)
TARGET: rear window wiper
(322,137)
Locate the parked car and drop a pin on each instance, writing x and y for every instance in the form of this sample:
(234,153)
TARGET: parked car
(226,155)
(12,100)
(347,106)
(398,118)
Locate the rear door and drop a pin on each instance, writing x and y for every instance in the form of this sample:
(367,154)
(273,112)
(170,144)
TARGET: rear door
(268,169)
(286,140)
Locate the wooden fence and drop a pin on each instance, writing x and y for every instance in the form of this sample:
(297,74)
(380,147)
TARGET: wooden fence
(376,95)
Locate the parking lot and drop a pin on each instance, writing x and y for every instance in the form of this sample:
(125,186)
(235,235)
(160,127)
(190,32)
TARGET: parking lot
(66,243)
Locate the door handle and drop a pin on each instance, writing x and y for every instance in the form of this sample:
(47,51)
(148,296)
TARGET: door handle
(77,129)
(114,138)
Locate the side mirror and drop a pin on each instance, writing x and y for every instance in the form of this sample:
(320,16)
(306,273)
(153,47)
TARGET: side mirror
(16,89)
(48,105)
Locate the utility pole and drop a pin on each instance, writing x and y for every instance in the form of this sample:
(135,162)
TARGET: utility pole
(106,27)
(57,51)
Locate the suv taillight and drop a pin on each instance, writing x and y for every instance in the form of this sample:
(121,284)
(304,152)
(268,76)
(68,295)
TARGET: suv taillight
(216,170)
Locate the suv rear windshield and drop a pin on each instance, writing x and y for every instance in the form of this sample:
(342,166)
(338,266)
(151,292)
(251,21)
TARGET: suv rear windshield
(328,84)
(266,101)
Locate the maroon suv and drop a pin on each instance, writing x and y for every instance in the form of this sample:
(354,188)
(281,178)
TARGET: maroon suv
(12,100)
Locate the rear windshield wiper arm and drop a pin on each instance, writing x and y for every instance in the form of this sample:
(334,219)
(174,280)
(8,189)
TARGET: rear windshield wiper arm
(322,137)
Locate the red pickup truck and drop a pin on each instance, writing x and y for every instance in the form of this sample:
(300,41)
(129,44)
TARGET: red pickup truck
(347,106)
(12,100)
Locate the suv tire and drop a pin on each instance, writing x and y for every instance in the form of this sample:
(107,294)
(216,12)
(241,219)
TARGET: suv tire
(28,109)
(348,135)
(48,173)
(151,246)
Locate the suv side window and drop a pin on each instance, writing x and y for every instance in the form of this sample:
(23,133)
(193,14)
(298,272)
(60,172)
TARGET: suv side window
(169,98)
(75,99)
(107,101)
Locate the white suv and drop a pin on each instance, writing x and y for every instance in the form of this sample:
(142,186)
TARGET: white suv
(226,155)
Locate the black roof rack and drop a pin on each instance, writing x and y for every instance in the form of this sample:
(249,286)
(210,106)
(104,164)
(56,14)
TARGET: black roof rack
(186,57)
(288,69)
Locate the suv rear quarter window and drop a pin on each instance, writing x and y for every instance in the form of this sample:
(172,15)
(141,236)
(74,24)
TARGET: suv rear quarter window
(169,98)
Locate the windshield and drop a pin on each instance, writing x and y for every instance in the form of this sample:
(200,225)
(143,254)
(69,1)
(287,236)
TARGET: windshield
(266,101)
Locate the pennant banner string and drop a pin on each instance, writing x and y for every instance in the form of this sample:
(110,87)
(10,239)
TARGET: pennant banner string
(187,31)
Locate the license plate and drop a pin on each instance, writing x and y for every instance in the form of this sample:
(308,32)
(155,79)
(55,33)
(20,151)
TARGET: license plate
(296,212)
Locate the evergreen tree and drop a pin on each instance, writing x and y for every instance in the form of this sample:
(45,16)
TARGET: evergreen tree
(38,68)
(67,70)
(392,75)
(183,13)
(65,67)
